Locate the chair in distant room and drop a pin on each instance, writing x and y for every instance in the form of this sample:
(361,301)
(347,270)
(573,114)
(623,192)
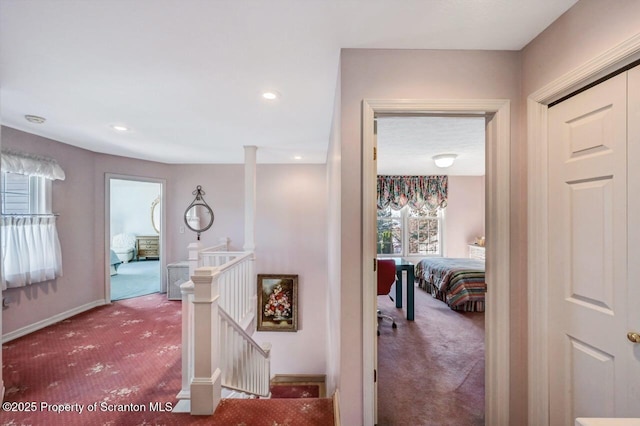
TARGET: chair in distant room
(386,279)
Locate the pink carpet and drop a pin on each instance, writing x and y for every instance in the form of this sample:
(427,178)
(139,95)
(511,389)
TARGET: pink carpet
(125,356)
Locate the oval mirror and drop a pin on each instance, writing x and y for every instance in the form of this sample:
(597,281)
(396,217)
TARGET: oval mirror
(198,217)
(155,214)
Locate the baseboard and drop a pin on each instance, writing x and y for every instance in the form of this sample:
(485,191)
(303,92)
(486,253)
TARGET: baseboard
(336,408)
(51,320)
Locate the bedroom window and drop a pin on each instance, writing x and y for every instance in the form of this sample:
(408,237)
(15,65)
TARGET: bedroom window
(390,231)
(410,232)
(424,232)
(410,214)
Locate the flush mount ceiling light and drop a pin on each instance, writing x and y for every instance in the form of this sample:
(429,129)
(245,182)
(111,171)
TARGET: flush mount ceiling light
(270,95)
(444,160)
(119,128)
(35,119)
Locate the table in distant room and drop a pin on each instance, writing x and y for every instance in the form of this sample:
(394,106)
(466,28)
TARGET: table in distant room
(405,298)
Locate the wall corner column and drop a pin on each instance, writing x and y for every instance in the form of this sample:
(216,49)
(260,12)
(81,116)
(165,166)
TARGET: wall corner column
(249,197)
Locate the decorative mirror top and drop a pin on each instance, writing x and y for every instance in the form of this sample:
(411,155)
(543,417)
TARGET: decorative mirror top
(198,217)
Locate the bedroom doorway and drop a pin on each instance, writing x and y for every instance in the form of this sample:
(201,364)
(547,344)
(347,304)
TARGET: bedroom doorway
(133,236)
(497,114)
(442,347)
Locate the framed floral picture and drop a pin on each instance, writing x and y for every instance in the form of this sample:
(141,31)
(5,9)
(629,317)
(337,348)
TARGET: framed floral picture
(277,302)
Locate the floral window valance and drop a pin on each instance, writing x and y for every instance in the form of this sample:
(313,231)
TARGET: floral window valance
(419,192)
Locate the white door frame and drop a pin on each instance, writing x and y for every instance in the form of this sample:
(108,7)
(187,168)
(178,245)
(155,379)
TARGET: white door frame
(107,226)
(537,143)
(497,231)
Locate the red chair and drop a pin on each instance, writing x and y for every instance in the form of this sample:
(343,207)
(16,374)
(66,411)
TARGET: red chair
(386,278)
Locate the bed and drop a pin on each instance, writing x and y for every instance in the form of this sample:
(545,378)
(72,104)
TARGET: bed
(124,246)
(115,262)
(459,282)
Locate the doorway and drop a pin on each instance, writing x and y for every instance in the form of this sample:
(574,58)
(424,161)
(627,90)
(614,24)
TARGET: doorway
(133,236)
(497,113)
(443,347)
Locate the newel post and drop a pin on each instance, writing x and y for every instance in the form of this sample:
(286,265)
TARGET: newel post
(184,396)
(206,382)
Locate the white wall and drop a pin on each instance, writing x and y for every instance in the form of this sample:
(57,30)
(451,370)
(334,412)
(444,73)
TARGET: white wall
(464,215)
(291,238)
(588,29)
(131,206)
(73,200)
(224,193)
(333,249)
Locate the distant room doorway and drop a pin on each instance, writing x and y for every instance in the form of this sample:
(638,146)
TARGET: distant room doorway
(134,211)
(439,221)
(497,231)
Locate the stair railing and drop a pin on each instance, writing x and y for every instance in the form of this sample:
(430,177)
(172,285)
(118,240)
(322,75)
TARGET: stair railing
(197,258)
(196,261)
(245,365)
(218,308)
(238,290)
(237,286)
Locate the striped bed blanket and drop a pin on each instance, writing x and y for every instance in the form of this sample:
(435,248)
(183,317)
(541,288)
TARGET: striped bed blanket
(459,282)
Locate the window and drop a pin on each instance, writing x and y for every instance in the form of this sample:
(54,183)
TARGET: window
(424,232)
(410,214)
(29,243)
(390,235)
(410,232)
(23,194)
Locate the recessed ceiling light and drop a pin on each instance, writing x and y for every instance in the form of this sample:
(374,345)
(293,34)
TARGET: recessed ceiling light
(270,95)
(119,128)
(35,119)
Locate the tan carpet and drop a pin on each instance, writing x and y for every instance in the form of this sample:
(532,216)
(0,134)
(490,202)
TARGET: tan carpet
(431,370)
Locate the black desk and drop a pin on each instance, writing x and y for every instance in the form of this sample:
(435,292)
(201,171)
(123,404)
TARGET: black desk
(409,285)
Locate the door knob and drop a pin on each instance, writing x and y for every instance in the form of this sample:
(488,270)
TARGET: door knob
(633,337)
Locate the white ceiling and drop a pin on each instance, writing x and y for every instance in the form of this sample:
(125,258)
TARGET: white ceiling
(186,75)
(406,145)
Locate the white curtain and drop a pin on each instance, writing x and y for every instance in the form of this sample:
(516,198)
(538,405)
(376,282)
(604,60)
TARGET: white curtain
(30,250)
(29,164)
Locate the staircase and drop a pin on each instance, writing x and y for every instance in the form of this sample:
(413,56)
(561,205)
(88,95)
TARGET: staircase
(218,319)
